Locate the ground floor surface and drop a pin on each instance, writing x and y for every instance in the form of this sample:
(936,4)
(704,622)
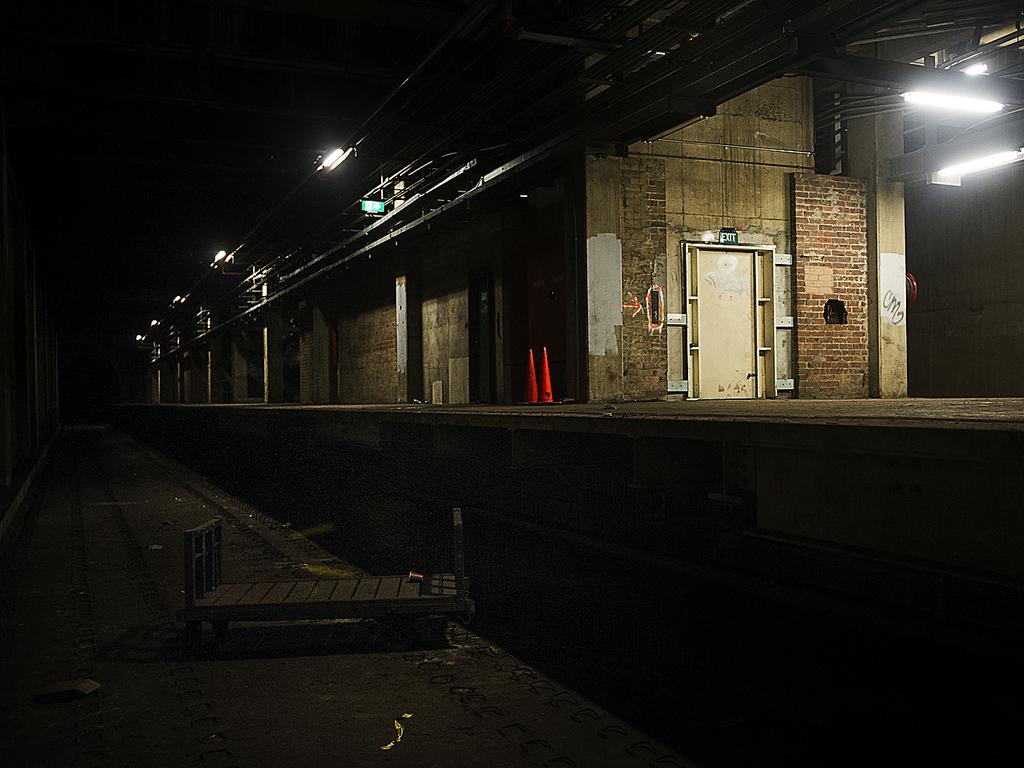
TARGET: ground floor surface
(91,591)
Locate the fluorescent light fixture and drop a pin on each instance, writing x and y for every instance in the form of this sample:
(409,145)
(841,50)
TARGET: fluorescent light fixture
(335,158)
(983,163)
(220,255)
(523,195)
(976,69)
(947,101)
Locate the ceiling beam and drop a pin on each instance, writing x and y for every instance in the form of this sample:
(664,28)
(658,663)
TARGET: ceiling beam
(918,165)
(901,76)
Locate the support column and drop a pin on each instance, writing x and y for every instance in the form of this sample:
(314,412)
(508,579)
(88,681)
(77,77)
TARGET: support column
(239,383)
(153,384)
(168,382)
(872,142)
(602,194)
(409,338)
(273,357)
(6,333)
(320,354)
(216,375)
(186,379)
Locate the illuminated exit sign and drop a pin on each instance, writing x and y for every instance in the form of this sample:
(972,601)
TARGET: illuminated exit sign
(372,206)
(728,235)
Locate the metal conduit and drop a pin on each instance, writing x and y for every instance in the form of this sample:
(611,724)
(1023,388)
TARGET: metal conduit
(731,146)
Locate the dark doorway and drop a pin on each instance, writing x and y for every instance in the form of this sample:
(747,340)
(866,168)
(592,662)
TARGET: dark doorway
(481,340)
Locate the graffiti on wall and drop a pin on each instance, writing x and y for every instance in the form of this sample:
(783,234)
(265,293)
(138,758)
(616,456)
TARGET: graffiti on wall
(892,287)
(725,278)
(892,308)
(655,309)
(654,304)
(633,303)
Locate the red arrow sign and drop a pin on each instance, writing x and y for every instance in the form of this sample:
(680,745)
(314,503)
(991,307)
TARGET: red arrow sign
(634,304)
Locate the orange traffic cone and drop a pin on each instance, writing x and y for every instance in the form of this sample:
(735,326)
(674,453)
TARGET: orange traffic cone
(530,391)
(545,378)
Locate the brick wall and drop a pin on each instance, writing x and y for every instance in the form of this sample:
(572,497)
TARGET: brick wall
(306,363)
(830,230)
(644,353)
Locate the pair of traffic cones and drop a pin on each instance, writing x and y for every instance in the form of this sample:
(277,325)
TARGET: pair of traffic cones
(535,393)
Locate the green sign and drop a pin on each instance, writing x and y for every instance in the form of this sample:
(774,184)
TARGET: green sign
(372,206)
(728,235)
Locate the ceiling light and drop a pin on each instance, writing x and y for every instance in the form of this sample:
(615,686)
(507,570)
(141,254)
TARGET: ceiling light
(976,69)
(138,337)
(176,299)
(220,255)
(334,159)
(153,323)
(983,163)
(947,101)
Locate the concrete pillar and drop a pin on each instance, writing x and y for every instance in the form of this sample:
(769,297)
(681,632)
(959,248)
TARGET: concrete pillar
(216,373)
(273,357)
(6,333)
(409,338)
(238,389)
(168,382)
(186,380)
(602,200)
(320,354)
(872,142)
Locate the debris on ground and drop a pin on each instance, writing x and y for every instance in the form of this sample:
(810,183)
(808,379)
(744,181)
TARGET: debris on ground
(68,690)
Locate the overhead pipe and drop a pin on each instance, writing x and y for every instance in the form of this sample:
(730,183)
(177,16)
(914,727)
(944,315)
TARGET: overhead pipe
(582,44)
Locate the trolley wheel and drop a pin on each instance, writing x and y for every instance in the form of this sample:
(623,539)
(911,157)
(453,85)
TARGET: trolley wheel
(396,633)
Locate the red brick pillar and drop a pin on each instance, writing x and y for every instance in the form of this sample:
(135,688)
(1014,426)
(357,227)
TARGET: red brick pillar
(830,230)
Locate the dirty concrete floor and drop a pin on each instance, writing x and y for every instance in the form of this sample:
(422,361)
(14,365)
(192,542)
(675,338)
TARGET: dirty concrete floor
(91,590)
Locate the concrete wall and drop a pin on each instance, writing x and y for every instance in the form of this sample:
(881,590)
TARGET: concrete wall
(444,272)
(625,246)
(709,186)
(364,304)
(29,411)
(966,330)
(830,262)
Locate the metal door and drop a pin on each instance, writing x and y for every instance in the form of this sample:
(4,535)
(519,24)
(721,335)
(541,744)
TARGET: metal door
(728,306)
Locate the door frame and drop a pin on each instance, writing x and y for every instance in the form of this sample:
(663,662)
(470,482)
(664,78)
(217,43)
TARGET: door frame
(763,305)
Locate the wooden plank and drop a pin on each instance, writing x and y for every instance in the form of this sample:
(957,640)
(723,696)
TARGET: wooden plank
(255,593)
(229,593)
(322,591)
(301,592)
(408,590)
(278,592)
(344,589)
(366,589)
(388,587)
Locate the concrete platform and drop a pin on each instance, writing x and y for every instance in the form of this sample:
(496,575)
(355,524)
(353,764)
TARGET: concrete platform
(91,594)
(945,413)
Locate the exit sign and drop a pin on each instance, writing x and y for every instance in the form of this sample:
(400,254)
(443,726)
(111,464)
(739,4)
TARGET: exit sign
(372,206)
(728,236)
